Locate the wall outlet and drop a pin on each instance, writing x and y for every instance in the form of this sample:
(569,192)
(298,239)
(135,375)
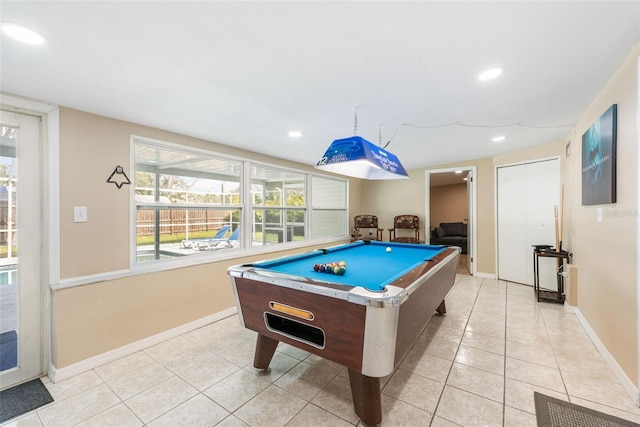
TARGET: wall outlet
(80,214)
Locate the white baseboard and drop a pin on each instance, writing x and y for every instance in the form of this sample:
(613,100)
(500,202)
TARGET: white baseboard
(56,374)
(485,275)
(570,308)
(626,383)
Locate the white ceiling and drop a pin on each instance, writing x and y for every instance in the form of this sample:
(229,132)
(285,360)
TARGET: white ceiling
(245,73)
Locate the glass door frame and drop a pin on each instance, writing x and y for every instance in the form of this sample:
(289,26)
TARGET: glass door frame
(31,295)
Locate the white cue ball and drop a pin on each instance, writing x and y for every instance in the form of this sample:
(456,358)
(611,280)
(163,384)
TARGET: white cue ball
(388,249)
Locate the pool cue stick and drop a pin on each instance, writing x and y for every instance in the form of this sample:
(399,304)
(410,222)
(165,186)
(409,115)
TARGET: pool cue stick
(561,216)
(555,221)
(557,249)
(560,261)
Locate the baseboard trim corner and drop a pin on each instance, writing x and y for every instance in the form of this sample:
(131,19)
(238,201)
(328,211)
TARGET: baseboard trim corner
(570,308)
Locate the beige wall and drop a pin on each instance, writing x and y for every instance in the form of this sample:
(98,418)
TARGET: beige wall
(605,253)
(448,203)
(386,199)
(97,317)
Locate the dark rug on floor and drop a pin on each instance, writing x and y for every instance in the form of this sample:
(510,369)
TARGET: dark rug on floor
(551,412)
(23,398)
(8,350)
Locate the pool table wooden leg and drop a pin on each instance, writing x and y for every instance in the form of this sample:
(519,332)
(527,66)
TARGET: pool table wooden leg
(265,347)
(366,397)
(442,309)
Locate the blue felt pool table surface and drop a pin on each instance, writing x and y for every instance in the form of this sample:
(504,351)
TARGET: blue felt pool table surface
(369,265)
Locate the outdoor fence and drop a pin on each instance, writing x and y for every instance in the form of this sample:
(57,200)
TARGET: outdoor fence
(175,221)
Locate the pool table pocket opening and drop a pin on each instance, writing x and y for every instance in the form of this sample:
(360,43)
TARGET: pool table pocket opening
(295,330)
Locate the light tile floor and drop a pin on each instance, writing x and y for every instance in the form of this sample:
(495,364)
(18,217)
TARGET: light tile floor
(477,365)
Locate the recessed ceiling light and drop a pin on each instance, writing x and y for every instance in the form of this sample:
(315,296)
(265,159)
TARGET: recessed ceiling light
(458,172)
(295,134)
(22,34)
(490,74)
(498,138)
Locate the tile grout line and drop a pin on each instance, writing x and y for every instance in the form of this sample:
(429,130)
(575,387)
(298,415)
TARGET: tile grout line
(555,355)
(308,402)
(504,362)
(456,353)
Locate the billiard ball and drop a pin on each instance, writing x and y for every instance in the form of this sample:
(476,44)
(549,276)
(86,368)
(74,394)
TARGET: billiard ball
(316,267)
(388,249)
(321,267)
(341,270)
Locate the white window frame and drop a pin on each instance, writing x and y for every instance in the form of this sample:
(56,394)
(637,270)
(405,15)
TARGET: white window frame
(246,207)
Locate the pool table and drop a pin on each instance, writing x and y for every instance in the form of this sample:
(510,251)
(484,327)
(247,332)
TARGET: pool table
(366,319)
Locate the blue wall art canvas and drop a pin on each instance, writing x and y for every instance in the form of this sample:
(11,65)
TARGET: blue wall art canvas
(599,160)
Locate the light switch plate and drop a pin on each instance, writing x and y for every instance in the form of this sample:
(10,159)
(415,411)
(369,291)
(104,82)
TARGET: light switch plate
(79,214)
(598,214)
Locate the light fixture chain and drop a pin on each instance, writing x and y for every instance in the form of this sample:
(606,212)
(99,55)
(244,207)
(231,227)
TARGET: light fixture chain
(355,122)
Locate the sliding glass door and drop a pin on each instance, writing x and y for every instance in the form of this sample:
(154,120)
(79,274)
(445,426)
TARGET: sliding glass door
(20,249)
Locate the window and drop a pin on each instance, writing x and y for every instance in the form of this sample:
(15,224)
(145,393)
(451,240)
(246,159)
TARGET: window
(191,201)
(279,205)
(186,202)
(329,211)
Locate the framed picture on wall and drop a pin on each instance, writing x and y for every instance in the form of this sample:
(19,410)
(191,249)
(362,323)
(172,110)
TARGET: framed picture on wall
(599,160)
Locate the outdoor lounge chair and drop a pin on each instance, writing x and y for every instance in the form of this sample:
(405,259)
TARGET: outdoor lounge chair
(195,243)
(231,242)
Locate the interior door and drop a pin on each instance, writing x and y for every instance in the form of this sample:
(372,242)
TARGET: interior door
(512,210)
(20,249)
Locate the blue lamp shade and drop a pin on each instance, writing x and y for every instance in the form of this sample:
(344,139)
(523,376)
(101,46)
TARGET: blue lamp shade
(357,157)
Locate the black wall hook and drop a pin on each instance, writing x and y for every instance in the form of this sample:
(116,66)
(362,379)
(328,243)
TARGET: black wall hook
(120,179)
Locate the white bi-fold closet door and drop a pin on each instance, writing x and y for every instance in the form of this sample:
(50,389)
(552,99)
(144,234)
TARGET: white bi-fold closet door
(528,196)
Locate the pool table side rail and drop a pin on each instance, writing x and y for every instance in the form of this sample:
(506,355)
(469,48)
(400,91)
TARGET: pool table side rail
(309,254)
(317,287)
(416,277)
(418,310)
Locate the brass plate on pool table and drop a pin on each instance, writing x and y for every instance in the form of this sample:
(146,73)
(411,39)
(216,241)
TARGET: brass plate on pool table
(293,311)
